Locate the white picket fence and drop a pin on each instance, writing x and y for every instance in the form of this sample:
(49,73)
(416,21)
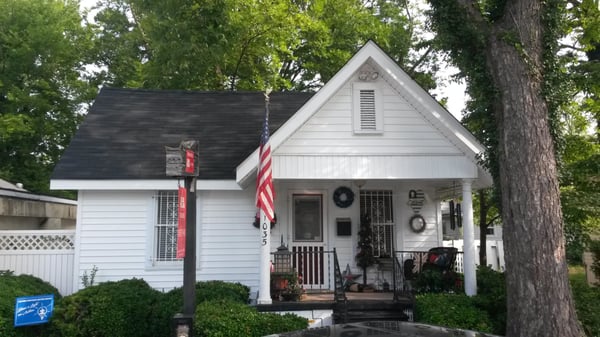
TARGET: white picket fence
(47,254)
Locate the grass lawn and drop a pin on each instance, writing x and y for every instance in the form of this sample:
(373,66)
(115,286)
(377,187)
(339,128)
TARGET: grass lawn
(587,301)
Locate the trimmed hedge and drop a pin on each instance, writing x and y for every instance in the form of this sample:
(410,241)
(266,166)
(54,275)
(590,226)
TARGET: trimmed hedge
(233,319)
(132,308)
(453,311)
(208,291)
(13,286)
(124,308)
(485,312)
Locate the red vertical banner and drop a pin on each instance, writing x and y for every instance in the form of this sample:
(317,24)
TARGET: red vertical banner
(189,161)
(181,220)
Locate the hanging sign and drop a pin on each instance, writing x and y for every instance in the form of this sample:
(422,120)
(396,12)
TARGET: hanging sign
(182,161)
(181,221)
(31,310)
(189,161)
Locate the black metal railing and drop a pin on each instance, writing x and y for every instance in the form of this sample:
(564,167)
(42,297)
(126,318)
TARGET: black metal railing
(447,262)
(315,268)
(339,290)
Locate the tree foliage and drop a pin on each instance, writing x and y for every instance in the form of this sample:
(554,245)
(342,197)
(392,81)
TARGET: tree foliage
(240,44)
(52,62)
(42,54)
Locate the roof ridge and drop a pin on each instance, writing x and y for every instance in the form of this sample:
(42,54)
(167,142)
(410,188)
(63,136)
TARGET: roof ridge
(188,91)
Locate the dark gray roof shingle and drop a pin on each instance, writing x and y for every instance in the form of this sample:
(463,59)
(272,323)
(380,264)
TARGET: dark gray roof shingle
(124,134)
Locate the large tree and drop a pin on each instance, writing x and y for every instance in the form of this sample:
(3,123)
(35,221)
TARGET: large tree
(42,86)
(241,44)
(512,45)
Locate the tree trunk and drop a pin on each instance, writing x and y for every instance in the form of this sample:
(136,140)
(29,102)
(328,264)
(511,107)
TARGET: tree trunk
(483,225)
(539,299)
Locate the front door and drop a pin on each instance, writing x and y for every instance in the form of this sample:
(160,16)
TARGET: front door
(308,240)
(378,205)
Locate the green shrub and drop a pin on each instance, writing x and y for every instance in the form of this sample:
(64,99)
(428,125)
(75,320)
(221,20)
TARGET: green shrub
(452,310)
(587,302)
(123,308)
(491,296)
(208,291)
(13,286)
(233,319)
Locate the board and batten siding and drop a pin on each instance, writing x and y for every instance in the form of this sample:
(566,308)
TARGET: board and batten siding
(410,147)
(115,234)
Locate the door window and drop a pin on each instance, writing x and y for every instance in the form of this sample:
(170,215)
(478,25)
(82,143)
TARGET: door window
(308,217)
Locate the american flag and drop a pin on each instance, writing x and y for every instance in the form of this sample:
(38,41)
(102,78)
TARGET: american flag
(265,194)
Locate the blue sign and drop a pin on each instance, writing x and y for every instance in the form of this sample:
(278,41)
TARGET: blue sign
(30,310)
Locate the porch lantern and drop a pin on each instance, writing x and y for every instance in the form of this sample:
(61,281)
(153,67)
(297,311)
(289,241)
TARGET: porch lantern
(283,260)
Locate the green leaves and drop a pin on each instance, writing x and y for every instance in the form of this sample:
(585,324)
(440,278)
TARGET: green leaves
(42,52)
(238,44)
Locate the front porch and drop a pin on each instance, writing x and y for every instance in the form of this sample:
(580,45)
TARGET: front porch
(376,301)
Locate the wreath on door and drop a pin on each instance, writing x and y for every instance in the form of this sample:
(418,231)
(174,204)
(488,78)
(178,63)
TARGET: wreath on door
(343,197)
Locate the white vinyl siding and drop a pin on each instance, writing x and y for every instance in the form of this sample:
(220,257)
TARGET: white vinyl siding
(409,146)
(367,108)
(331,130)
(117,230)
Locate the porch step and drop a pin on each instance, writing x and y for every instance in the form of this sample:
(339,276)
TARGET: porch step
(364,310)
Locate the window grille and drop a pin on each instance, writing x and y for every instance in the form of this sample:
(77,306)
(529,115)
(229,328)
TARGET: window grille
(379,207)
(165,232)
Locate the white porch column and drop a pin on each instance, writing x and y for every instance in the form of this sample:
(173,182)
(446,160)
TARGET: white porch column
(468,239)
(264,288)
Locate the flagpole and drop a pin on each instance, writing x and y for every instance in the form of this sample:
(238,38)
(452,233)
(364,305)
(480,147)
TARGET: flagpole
(264,290)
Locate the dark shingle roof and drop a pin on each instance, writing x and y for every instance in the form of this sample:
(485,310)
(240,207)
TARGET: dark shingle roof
(124,134)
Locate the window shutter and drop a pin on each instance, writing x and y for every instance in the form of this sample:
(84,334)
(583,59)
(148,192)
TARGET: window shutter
(368,112)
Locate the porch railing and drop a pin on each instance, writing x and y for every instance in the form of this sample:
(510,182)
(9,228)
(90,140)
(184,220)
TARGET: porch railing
(409,264)
(319,270)
(315,267)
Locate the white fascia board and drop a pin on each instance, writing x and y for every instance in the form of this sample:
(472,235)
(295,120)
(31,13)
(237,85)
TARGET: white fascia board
(139,184)
(245,169)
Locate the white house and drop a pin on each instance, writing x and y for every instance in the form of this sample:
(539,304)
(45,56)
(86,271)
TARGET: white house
(370,141)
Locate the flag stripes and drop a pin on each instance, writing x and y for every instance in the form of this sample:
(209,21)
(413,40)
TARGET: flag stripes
(265,194)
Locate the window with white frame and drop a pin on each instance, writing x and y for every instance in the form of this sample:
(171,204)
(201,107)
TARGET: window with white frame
(165,228)
(367,108)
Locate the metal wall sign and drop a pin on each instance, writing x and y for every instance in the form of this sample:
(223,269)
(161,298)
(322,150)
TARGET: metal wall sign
(31,310)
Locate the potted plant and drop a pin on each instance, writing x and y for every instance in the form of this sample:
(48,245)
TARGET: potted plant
(293,289)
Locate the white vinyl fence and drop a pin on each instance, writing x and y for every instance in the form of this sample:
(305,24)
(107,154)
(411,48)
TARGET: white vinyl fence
(47,254)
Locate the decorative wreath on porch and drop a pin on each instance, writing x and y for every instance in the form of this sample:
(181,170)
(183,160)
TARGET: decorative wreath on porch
(343,197)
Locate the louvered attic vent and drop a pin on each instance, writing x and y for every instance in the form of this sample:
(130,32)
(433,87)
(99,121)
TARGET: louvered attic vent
(368,113)
(368,108)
